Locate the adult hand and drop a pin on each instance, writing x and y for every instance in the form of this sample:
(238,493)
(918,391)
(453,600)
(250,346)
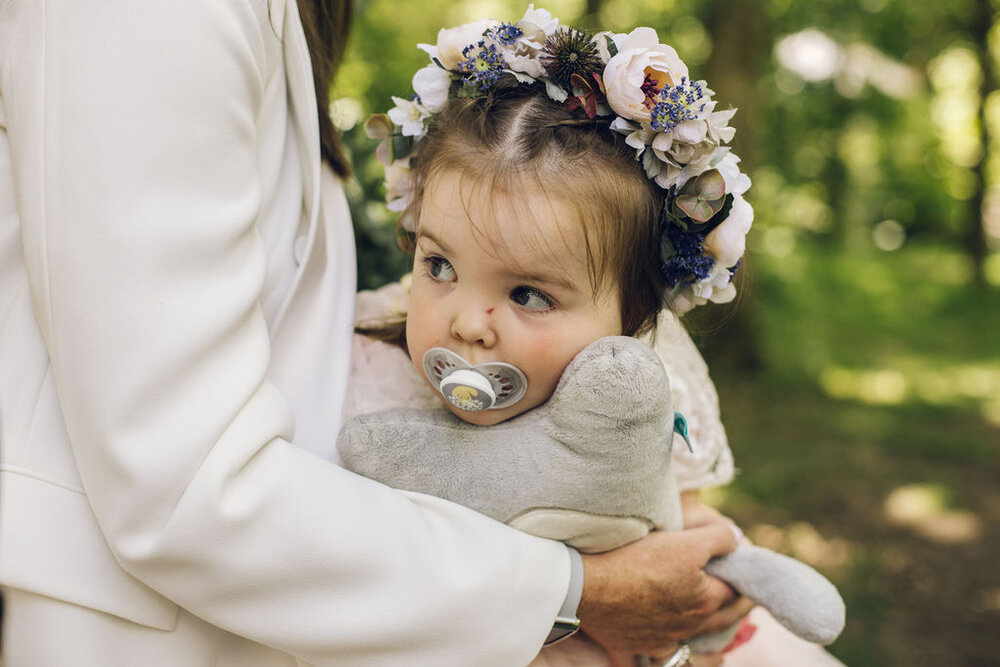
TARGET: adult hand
(644,598)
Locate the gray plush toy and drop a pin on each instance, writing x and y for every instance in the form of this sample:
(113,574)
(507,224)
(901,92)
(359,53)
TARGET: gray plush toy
(590,467)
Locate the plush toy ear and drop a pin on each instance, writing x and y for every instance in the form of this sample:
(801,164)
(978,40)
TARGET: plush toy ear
(615,385)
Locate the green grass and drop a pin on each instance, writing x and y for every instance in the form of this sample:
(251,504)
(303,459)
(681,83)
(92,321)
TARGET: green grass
(892,490)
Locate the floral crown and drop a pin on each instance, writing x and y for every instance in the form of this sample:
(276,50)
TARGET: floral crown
(641,88)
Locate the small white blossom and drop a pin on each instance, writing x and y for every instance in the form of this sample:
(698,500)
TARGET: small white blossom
(408,115)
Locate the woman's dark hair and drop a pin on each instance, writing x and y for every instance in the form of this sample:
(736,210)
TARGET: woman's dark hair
(326,24)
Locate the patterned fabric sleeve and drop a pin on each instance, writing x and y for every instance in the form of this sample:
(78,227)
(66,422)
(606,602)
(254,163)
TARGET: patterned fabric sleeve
(711,462)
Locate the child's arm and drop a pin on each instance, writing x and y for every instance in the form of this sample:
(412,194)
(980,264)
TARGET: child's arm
(696,514)
(708,462)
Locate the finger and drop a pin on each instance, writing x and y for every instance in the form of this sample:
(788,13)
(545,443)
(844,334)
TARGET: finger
(714,539)
(699,515)
(727,616)
(718,594)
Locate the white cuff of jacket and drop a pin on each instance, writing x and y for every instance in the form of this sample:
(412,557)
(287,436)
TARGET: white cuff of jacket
(567,622)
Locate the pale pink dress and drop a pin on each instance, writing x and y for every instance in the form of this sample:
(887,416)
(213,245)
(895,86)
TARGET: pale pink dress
(382,377)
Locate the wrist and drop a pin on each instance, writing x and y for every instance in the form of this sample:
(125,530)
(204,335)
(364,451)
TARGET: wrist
(567,622)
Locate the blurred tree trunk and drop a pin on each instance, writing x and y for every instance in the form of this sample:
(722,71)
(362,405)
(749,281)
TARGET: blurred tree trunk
(740,50)
(591,15)
(975,236)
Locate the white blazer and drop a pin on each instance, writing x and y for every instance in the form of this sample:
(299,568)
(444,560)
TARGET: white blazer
(170,367)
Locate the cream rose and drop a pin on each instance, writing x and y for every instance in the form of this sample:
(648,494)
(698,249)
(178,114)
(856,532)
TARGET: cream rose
(452,41)
(399,184)
(727,242)
(431,83)
(642,57)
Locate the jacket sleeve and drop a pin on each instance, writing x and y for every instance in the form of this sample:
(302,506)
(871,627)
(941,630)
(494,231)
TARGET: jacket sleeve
(133,142)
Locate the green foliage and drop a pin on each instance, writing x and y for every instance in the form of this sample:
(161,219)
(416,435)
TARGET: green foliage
(880,355)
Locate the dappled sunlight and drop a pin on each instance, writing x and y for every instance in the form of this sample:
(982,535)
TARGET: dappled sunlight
(919,380)
(814,56)
(923,508)
(874,387)
(803,541)
(991,269)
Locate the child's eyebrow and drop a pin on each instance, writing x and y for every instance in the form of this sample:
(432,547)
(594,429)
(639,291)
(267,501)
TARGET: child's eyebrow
(422,233)
(554,279)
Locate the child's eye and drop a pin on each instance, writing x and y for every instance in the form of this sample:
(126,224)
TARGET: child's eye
(440,269)
(531,299)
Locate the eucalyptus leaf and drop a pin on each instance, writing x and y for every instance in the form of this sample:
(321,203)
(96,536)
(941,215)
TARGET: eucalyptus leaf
(697,208)
(612,47)
(710,184)
(717,219)
(651,164)
(401,146)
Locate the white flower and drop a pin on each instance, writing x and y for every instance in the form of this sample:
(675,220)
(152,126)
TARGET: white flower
(555,91)
(600,39)
(399,188)
(452,41)
(408,115)
(683,161)
(718,287)
(727,163)
(537,20)
(522,56)
(529,65)
(727,242)
(641,59)
(637,136)
(718,126)
(685,300)
(431,84)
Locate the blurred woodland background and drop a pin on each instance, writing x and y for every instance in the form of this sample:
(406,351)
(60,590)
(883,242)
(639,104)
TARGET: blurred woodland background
(859,373)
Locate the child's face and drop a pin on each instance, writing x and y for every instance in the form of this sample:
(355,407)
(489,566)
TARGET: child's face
(518,291)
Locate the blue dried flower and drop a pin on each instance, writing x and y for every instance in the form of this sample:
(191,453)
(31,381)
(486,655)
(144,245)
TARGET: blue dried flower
(506,33)
(677,104)
(688,264)
(483,65)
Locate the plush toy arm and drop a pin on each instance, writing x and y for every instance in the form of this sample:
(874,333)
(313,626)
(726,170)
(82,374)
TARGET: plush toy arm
(799,597)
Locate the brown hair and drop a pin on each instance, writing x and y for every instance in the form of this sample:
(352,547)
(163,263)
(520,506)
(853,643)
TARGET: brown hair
(515,135)
(326,24)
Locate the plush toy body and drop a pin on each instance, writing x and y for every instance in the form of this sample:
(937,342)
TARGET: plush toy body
(590,467)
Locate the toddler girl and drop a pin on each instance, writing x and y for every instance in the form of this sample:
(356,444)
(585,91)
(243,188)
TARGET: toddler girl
(556,187)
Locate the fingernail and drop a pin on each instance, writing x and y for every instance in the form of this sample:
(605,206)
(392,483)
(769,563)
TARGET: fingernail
(737,533)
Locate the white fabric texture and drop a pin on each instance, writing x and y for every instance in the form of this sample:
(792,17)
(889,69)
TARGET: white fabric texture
(169,371)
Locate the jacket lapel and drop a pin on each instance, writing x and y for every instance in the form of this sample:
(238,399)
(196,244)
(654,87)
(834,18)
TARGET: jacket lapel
(302,102)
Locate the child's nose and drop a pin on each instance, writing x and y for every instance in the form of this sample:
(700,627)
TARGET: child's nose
(474,324)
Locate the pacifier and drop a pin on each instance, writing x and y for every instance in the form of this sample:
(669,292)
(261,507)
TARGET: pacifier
(488,386)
